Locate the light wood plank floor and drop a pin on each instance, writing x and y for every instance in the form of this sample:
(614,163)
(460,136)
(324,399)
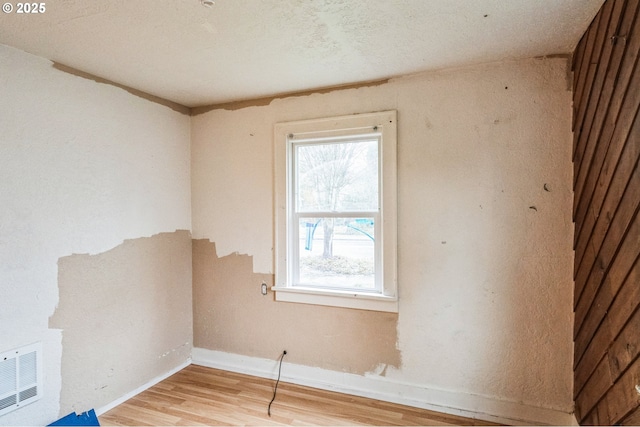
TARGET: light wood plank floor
(204,396)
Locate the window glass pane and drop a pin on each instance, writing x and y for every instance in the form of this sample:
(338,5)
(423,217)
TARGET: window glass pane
(337,253)
(337,176)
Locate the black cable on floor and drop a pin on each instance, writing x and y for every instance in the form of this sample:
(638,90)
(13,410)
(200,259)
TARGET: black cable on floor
(278,381)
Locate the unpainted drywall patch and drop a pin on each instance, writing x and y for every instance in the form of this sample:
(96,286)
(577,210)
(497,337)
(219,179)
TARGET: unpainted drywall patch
(231,315)
(568,71)
(261,102)
(125,317)
(135,92)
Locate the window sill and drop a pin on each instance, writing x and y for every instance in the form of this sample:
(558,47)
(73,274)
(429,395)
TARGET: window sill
(346,299)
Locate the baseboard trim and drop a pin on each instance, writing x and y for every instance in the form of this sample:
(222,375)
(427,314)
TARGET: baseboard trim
(142,388)
(380,388)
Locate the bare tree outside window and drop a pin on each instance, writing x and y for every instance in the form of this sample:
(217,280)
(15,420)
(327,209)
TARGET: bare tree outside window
(339,177)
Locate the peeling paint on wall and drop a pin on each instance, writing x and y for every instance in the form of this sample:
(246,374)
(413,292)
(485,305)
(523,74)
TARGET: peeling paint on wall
(488,313)
(125,316)
(237,105)
(231,315)
(135,92)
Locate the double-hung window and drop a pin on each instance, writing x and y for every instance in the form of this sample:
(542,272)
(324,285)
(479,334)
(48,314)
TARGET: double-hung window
(336,211)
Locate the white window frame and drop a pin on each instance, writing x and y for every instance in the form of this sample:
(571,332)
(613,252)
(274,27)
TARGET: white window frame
(285,135)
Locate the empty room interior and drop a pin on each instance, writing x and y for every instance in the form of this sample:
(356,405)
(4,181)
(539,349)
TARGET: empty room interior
(426,203)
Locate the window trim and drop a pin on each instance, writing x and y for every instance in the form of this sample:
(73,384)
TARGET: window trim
(385,124)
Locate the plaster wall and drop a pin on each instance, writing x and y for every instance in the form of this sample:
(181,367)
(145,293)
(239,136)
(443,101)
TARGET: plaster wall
(83,166)
(228,317)
(125,318)
(484,229)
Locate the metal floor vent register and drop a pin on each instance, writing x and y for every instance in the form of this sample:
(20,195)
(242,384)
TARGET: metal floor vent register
(20,377)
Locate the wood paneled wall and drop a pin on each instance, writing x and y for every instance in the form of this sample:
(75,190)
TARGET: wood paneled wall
(607,225)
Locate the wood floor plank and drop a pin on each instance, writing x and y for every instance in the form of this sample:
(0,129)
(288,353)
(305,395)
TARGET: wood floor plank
(204,396)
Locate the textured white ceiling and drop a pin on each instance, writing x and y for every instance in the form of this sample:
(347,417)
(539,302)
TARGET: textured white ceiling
(245,49)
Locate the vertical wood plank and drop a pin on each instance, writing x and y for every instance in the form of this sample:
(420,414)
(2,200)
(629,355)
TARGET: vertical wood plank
(598,65)
(592,418)
(623,398)
(620,268)
(617,82)
(585,142)
(621,201)
(578,57)
(615,241)
(622,184)
(627,300)
(585,65)
(606,214)
(626,347)
(595,389)
(583,151)
(632,419)
(593,355)
(609,151)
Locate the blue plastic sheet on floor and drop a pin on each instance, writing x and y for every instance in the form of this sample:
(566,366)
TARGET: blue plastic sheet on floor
(88,418)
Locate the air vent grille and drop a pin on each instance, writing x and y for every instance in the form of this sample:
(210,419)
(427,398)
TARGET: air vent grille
(7,402)
(28,393)
(20,377)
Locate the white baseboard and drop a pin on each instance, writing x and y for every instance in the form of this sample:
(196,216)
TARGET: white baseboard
(142,388)
(381,388)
